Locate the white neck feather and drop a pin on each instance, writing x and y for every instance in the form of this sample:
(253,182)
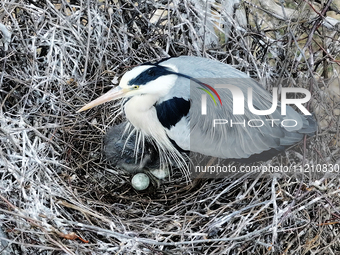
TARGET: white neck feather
(140,112)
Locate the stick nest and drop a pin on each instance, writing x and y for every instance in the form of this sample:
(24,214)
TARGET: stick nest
(58,195)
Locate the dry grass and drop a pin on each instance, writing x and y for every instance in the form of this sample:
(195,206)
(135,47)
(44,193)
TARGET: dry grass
(54,180)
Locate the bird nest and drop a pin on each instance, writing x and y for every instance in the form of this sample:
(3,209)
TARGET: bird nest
(58,195)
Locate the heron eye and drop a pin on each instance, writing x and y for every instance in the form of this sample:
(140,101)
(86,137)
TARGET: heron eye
(136,87)
(151,72)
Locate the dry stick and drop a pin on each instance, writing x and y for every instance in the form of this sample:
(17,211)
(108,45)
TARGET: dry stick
(275,212)
(40,247)
(305,136)
(324,51)
(204,28)
(37,224)
(337,132)
(315,26)
(308,45)
(89,24)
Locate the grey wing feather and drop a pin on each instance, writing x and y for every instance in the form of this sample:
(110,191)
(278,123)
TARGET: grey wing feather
(237,141)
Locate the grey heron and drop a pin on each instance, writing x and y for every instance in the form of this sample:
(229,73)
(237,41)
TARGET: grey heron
(162,108)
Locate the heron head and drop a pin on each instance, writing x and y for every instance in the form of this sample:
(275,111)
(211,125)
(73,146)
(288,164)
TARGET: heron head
(146,79)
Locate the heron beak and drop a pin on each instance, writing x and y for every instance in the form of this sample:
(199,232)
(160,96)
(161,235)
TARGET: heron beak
(113,94)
